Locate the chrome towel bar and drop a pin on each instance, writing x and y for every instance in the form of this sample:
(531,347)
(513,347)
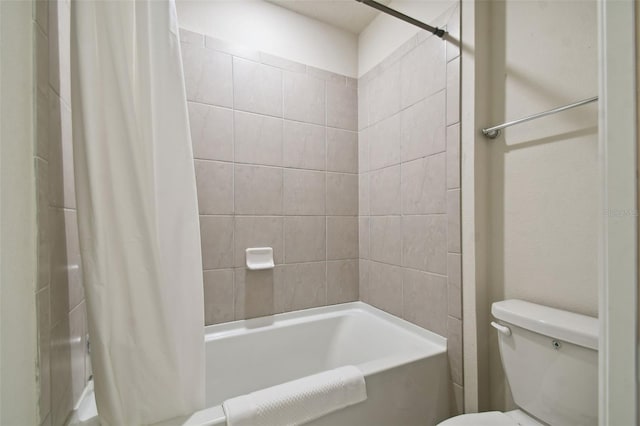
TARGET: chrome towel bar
(494,132)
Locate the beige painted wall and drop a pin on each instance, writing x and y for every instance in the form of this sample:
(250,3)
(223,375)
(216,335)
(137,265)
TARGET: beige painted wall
(260,25)
(18,351)
(543,175)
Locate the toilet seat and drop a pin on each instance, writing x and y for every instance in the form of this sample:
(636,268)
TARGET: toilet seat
(492,418)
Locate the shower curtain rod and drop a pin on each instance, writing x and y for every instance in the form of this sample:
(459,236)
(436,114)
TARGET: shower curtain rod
(494,132)
(382,8)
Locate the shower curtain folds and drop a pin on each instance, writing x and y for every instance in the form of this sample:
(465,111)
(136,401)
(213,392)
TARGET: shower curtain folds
(137,211)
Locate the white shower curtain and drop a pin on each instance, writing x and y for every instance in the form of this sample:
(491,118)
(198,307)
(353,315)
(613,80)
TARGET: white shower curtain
(137,210)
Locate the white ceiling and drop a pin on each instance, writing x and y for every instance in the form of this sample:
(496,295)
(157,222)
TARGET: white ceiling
(349,15)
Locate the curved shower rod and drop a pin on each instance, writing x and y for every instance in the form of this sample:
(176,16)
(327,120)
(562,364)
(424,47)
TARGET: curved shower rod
(382,8)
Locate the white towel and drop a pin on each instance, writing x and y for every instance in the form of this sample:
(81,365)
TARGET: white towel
(299,401)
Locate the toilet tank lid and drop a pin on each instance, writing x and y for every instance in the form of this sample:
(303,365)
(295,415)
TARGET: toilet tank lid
(563,325)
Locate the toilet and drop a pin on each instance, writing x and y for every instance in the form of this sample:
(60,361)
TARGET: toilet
(550,360)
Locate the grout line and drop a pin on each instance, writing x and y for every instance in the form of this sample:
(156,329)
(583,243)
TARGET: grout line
(233,182)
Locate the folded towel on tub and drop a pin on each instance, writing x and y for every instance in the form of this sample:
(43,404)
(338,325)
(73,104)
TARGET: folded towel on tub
(299,401)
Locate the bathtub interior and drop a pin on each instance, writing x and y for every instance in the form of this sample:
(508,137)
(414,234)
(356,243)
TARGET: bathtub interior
(254,354)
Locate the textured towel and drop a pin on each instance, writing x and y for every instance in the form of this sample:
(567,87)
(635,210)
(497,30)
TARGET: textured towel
(299,401)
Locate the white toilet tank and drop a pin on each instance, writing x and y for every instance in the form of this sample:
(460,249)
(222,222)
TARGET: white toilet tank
(551,361)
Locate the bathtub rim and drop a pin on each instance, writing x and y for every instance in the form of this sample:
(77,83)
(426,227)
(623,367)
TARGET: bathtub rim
(258,324)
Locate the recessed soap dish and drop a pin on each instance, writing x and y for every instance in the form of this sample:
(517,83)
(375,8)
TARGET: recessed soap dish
(259,258)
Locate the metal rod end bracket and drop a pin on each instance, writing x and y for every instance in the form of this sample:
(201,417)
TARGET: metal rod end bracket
(491,134)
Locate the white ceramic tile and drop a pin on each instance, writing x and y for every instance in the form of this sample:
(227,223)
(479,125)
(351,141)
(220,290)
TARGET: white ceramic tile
(436,249)
(232,49)
(385,239)
(304,238)
(423,71)
(258,139)
(258,190)
(423,128)
(363,280)
(254,292)
(216,233)
(423,185)
(342,194)
(77,329)
(59,38)
(453,156)
(425,300)
(342,106)
(191,37)
(303,285)
(454,280)
(214,184)
(453,35)
(211,132)
(304,98)
(42,125)
(414,243)
(41,60)
(42,217)
(282,63)
(304,145)
(218,296)
(384,191)
(304,192)
(61,180)
(453,216)
(342,237)
(207,75)
(363,151)
(385,287)
(454,349)
(363,237)
(453,91)
(257,87)
(363,194)
(384,94)
(363,105)
(67,290)
(61,380)
(342,281)
(342,151)
(384,143)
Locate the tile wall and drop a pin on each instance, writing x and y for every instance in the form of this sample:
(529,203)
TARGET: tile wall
(64,366)
(409,188)
(275,148)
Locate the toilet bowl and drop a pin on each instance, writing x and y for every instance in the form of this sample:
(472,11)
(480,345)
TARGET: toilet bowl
(550,360)
(493,418)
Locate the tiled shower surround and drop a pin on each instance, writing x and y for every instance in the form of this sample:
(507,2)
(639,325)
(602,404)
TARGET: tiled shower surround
(409,189)
(63,363)
(355,185)
(276,157)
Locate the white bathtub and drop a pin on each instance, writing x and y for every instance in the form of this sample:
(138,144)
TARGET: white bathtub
(405,366)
